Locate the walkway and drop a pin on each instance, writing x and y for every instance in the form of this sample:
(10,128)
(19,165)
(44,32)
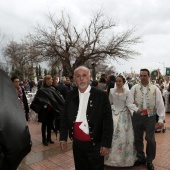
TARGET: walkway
(52,158)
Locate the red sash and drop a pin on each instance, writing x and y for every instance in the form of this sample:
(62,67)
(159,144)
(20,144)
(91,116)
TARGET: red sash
(145,112)
(79,134)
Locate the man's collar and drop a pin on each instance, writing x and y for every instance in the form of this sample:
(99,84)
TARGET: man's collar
(149,85)
(87,90)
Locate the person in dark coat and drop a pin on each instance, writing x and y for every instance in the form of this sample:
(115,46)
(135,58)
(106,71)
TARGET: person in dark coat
(111,83)
(57,119)
(21,95)
(46,115)
(87,119)
(95,83)
(15,141)
(62,88)
(46,103)
(68,84)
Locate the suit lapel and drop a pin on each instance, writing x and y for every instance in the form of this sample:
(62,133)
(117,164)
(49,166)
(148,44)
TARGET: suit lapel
(91,101)
(75,100)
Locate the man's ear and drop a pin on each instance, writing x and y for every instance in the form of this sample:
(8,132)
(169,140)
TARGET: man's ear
(90,76)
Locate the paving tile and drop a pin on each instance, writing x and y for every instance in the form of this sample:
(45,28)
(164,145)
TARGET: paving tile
(48,164)
(36,166)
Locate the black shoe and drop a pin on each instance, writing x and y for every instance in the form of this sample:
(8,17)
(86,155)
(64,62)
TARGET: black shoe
(50,141)
(164,129)
(150,166)
(45,143)
(139,162)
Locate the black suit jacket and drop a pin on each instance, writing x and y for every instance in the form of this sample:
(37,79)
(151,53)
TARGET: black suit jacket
(99,117)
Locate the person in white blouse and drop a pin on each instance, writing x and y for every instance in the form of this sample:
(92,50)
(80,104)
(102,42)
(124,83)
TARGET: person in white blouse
(146,101)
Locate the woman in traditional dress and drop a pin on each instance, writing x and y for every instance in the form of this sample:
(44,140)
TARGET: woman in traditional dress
(123,152)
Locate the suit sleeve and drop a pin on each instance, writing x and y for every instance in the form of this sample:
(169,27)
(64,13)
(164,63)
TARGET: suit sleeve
(64,123)
(107,122)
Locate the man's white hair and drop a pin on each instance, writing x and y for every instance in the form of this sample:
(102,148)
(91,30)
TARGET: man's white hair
(82,67)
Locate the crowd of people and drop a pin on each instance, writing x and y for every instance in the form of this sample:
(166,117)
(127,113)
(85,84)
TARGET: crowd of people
(105,119)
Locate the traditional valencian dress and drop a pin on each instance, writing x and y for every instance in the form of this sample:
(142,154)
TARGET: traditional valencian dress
(123,152)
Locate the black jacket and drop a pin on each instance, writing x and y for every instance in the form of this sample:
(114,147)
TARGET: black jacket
(48,96)
(99,117)
(63,90)
(15,142)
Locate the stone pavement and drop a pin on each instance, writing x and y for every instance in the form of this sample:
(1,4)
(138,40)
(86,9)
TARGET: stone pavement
(52,158)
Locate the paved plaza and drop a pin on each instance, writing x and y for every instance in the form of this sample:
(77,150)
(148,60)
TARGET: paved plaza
(52,158)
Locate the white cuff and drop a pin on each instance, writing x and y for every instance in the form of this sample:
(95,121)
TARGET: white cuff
(161,119)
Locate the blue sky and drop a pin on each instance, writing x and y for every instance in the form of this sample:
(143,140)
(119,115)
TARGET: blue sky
(151,18)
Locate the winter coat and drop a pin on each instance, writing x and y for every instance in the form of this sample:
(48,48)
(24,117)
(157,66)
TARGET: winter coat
(48,97)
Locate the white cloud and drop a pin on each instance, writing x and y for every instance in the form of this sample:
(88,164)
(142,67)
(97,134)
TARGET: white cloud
(152,19)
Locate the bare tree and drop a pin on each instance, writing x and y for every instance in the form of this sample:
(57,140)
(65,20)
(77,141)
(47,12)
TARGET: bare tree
(3,64)
(96,41)
(22,56)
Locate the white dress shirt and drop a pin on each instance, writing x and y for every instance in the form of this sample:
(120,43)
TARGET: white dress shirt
(81,116)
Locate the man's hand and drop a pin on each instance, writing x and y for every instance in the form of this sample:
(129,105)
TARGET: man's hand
(104,151)
(63,145)
(139,111)
(159,125)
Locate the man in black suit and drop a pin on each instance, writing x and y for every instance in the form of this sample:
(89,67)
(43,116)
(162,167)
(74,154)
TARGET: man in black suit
(88,118)
(62,88)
